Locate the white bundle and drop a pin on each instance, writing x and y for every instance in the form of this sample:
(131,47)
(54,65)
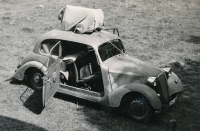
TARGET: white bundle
(82,19)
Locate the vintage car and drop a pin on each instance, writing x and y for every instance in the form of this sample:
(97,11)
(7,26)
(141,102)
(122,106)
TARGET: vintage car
(95,66)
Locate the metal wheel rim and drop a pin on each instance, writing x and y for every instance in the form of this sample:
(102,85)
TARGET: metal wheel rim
(137,108)
(37,79)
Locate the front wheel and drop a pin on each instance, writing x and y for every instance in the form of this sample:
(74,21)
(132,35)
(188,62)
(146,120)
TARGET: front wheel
(35,79)
(137,108)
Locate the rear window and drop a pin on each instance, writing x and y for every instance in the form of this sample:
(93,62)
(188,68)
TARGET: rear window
(47,45)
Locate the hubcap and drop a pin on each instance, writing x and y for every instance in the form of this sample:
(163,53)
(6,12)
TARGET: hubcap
(137,108)
(37,79)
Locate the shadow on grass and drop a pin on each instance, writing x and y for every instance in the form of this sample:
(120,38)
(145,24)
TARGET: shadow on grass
(31,99)
(194,39)
(81,102)
(16,82)
(102,117)
(189,72)
(11,124)
(185,110)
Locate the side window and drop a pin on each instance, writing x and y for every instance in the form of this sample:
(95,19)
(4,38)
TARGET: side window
(110,49)
(47,45)
(70,48)
(118,44)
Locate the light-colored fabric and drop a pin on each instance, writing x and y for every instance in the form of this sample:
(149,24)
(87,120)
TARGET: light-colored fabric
(83,19)
(86,25)
(84,72)
(45,48)
(66,74)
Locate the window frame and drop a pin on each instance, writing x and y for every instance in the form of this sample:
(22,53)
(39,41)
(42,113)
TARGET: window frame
(121,43)
(50,51)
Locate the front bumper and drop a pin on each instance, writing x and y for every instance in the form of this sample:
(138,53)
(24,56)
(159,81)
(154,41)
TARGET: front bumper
(171,102)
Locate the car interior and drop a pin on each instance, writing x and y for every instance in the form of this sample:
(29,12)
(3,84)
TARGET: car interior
(83,71)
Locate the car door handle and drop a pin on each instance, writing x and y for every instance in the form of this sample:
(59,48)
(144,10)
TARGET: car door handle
(54,77)
(48,80)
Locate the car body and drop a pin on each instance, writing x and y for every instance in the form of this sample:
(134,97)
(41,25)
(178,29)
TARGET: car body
(96,67)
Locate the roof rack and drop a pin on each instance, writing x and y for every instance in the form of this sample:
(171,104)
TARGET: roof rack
(114,30)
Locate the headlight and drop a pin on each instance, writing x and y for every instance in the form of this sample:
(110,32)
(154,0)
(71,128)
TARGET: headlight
(152,81)
(168,71)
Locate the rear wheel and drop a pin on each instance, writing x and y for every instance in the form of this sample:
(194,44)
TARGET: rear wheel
(35,79)
(137,108)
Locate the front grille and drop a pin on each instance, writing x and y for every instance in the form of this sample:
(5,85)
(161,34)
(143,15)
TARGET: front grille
(163,88)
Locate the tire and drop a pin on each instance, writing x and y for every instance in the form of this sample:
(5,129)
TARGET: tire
(137,108)
(35,79)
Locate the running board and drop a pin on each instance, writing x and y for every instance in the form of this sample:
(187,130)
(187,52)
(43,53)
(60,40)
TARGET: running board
(80,93)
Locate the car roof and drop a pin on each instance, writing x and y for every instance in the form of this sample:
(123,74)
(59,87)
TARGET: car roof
(93,39)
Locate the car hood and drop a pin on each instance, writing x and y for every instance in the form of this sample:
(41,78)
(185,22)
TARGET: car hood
(125,69)
(126,64)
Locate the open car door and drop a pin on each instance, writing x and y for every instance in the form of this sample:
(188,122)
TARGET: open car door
(51,81)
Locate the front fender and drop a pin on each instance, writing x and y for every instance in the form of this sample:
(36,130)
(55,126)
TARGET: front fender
(116,96)
(19,74)
(174,83)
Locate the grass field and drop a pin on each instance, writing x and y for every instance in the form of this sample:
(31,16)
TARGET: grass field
(163,33)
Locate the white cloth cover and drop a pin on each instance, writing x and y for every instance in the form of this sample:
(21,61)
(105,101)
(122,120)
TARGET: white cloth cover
(82,19)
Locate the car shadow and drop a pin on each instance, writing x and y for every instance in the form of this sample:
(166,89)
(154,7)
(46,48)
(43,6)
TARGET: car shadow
(98,114)
(17,82)
(82,102)
(111,118)
(188,103)
(11,124)
(32,100)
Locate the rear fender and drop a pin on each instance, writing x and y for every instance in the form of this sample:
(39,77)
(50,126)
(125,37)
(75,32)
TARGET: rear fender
(116,96)
(19,74)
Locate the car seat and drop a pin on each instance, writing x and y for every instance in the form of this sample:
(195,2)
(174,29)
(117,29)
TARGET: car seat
(88,72)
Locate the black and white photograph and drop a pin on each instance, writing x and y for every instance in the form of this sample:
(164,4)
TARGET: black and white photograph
(94,65)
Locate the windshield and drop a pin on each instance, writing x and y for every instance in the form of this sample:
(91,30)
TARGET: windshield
(108,50)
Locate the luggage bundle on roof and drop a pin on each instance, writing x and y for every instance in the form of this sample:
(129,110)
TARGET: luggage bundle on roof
(80,19)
